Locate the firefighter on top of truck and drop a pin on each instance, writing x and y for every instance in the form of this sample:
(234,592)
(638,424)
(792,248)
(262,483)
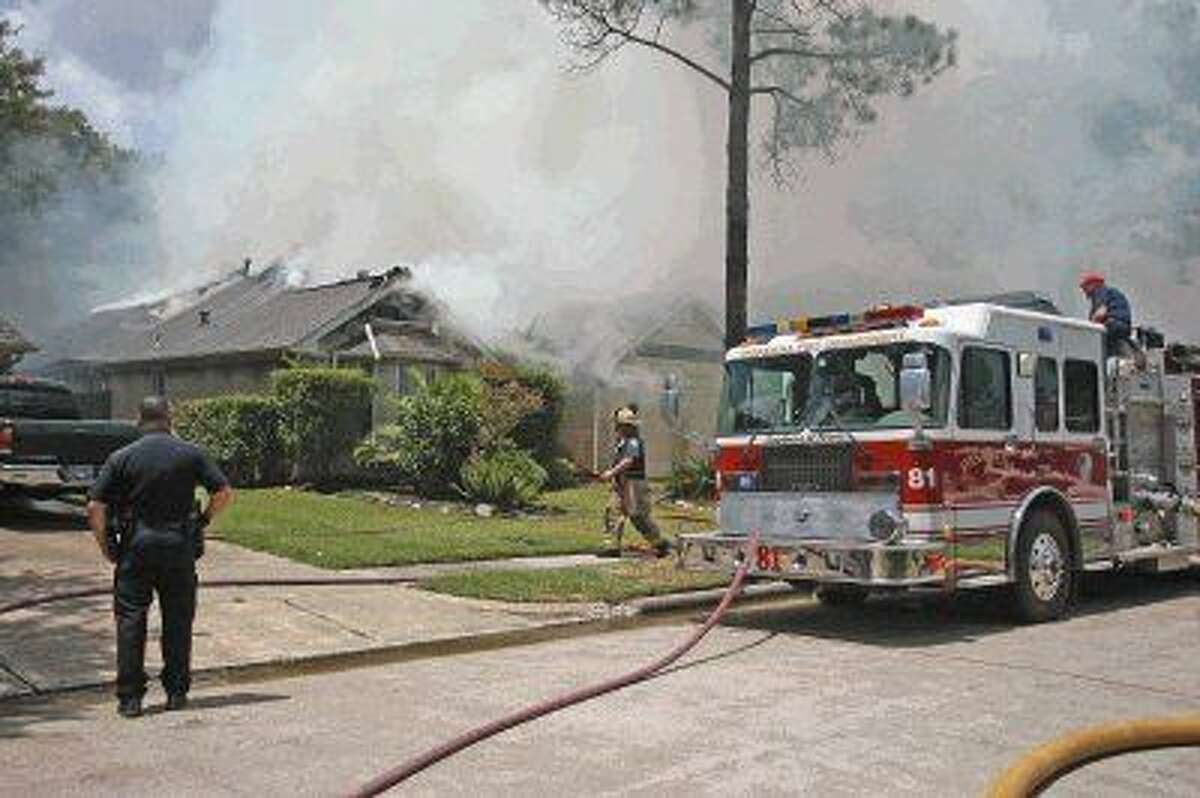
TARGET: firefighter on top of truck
(1108,307)
(628,476)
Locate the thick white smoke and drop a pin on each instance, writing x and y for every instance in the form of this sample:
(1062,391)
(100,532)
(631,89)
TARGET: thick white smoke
(448,136)
(1069,140)
(445,135)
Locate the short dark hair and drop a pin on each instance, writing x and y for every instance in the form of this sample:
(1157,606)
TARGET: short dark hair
(154,411)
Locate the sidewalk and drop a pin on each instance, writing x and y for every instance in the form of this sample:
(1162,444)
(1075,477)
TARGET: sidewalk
(70,644)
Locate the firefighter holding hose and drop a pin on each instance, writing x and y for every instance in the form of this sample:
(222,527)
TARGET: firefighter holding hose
(631,497)
(151,484)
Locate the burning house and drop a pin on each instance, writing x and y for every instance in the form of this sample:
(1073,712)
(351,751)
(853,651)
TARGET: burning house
(229,335)
(665,360)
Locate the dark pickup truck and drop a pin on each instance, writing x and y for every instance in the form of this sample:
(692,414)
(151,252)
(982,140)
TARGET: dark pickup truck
(46,449)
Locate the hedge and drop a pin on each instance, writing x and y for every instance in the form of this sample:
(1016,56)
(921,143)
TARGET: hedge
(239,432)
(323,413)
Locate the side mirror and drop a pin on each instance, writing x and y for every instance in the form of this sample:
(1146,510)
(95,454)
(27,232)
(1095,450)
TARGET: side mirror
(915,383)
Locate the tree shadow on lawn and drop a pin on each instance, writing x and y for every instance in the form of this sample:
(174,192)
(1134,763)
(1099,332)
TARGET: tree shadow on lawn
(921,620)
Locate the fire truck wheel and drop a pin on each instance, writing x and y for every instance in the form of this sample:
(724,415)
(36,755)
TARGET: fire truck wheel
(1044,572)
(841,595)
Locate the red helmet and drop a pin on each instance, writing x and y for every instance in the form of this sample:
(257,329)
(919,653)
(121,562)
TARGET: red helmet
(1089,279)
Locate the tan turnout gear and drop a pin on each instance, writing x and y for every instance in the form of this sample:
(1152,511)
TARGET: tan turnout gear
(631,496)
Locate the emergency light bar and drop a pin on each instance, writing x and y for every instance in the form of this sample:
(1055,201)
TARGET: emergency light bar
(876,318)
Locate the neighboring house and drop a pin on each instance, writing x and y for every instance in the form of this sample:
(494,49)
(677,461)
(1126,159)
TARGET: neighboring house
(666,359)
(13,345)
(228,336)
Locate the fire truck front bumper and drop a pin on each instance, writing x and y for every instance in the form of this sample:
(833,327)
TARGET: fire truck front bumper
(905,563)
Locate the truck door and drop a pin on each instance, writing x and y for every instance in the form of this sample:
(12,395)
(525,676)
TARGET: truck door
(980,477)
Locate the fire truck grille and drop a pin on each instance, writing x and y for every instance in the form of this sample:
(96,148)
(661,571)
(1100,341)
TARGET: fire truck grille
(807,469)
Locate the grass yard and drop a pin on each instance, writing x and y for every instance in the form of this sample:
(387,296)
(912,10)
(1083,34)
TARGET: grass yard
(610,584)
(351,531)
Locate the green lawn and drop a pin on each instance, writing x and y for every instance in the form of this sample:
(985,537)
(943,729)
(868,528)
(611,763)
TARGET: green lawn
(610,584)
(349,531)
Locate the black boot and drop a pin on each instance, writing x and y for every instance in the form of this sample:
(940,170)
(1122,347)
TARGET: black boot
(130,707)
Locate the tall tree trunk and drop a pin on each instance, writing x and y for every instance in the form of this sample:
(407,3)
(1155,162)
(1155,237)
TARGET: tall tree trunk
(737,199)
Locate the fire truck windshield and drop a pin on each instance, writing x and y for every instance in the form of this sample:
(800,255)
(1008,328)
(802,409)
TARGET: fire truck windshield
(849,389)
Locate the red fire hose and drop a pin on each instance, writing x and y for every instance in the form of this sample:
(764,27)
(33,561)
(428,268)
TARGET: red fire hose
(385,781)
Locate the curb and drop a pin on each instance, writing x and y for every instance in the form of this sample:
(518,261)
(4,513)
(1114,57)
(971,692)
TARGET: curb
(618,617)
(672,602)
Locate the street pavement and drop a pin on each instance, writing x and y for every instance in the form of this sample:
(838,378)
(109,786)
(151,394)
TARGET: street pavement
(906,696)
(46,549)
(909,698)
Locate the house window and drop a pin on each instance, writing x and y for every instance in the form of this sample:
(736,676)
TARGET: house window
(985,390)
(158,381)
(1082,382)
(1045,393)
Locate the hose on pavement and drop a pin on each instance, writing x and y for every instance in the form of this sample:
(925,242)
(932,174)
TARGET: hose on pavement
(1042,766)
(385,781)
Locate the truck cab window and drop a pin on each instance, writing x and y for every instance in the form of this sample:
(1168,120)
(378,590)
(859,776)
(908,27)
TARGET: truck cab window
(1082,383)
(1045,393)
(985,390)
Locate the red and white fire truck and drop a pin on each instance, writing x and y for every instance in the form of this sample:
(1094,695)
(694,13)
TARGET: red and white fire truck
(953,446)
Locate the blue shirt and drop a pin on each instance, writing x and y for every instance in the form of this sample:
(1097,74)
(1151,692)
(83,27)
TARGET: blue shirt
(1118,306)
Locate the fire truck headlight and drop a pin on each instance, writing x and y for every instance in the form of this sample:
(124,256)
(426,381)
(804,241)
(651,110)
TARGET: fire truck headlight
(887,526)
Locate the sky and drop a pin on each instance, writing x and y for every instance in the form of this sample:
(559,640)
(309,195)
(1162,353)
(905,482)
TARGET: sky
(454,137)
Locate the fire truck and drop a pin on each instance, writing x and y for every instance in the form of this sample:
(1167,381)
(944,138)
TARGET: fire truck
(953,446)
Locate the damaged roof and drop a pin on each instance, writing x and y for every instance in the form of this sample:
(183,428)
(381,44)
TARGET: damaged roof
(246,314)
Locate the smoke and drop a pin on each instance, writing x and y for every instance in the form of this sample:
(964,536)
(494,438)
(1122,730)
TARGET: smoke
(446,136)
(451,138)
(1077,148)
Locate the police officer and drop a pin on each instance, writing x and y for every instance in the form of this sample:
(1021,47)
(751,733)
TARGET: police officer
(151,484)
(1108,307)
(628,475)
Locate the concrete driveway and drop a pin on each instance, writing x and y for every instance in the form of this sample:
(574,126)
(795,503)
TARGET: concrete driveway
(46,548)
(899,698)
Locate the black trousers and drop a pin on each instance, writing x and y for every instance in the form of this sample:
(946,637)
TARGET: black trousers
(133,585)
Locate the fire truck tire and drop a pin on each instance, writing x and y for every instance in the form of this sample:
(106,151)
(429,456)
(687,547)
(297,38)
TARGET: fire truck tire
(1044,573)
(842,595)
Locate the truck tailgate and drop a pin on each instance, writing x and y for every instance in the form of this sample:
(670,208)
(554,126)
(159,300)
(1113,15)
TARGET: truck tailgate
(69,442)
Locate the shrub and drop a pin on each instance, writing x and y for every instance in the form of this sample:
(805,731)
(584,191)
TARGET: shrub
(323,412)
(239,432)
(435,431)
(561,473)
(507,478)
(691,477)
(505,406)
(536,430)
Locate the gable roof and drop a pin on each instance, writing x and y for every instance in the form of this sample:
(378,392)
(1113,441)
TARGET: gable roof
(245,314)
(595,337)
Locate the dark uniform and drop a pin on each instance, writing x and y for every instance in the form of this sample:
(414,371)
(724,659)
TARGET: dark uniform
(152,483)
(1118,320)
